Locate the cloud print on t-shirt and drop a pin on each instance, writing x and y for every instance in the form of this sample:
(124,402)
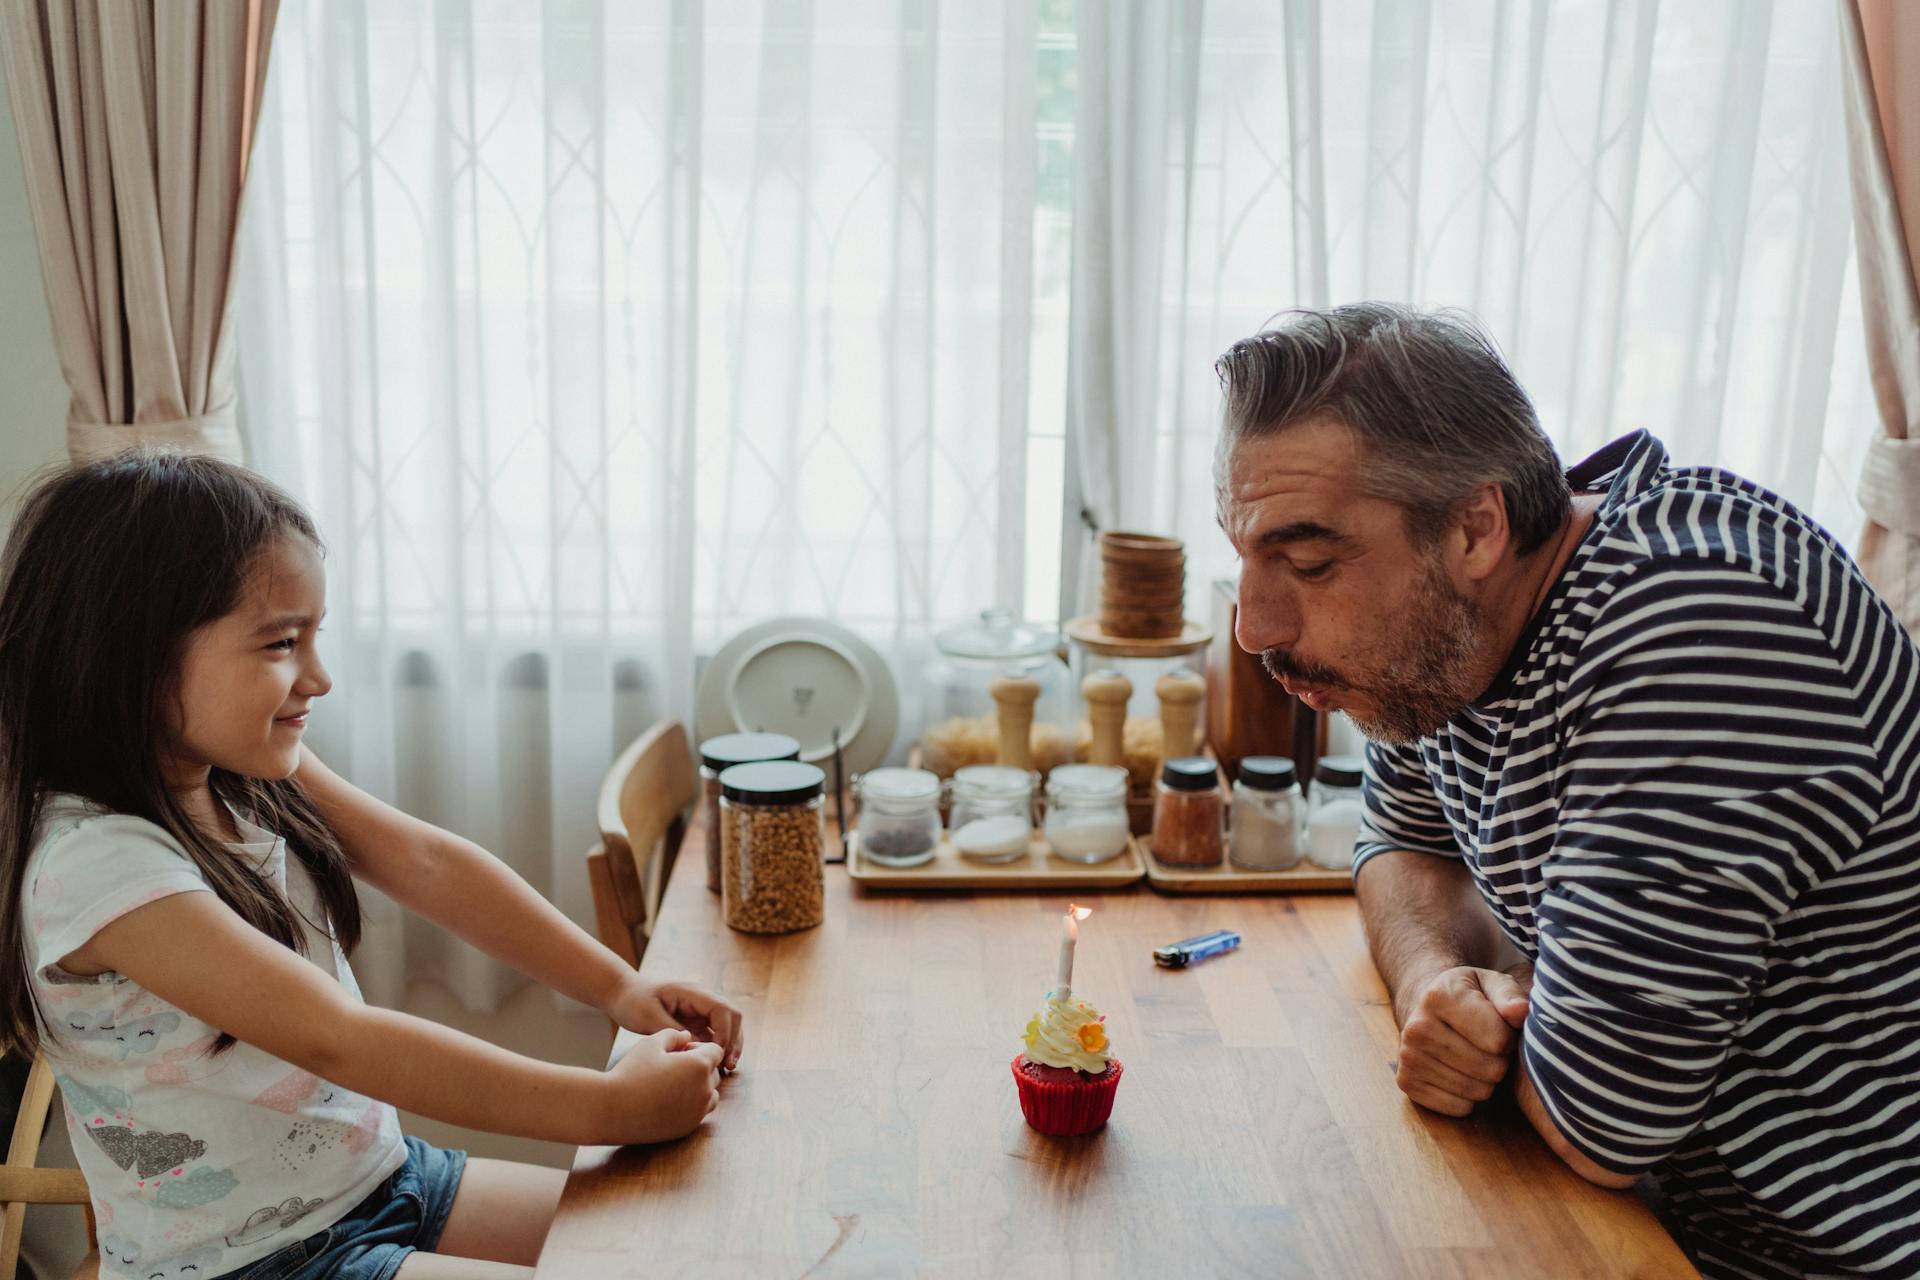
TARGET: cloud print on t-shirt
(286,1094)
(121,1039)
(176,1066)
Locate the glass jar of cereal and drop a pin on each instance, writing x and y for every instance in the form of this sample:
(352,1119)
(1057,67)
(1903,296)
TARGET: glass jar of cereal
(771,838)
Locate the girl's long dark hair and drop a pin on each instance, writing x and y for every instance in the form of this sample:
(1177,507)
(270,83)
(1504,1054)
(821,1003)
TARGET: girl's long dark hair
(109,570)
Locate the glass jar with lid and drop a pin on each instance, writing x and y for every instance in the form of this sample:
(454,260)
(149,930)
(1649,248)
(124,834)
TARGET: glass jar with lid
(1189,813)
(992,813)
(1087,812)
(899,821)
(1267,816)
(957,702)
(1334,812)
(772,834)
(721,753)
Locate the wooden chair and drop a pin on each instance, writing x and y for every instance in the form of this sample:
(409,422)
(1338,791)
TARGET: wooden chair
(642,815)
(22,1183)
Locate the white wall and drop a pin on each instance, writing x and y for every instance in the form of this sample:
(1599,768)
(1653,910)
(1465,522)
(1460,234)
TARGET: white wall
(33,396)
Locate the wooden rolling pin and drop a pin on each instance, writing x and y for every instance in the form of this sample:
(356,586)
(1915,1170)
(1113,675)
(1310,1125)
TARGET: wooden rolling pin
(1106,693)
(1013,699)
(1180,693)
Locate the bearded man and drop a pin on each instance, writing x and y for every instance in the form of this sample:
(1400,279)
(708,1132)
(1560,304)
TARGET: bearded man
(1642,785)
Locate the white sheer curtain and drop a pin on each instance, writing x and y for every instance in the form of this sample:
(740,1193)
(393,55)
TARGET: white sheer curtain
(1645,203)
(594,332)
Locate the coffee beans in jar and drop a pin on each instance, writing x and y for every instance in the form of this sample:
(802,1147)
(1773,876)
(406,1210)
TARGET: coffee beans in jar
(771,840)
(717,755)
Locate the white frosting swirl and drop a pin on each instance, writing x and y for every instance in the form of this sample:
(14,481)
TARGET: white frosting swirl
(1068,1033)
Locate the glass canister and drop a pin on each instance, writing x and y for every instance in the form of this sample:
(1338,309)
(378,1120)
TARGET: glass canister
(961,728)
(1334,811)
(992,815)
(1268,816)
(719,754)
(773,879)
(1087,812)
(1189,813)
(899,822)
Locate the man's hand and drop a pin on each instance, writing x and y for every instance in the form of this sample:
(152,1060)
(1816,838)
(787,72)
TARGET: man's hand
(646,1007)
(1457,1035)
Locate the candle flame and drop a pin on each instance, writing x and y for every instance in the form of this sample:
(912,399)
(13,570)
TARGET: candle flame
(1079,913)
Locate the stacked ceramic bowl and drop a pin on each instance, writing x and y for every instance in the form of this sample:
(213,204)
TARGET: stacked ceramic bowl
(1143,585)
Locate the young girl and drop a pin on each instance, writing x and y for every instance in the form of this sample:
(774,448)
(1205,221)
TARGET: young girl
(177,872)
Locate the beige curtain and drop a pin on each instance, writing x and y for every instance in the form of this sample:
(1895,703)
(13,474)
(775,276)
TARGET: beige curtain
(135,120)
(1883,137)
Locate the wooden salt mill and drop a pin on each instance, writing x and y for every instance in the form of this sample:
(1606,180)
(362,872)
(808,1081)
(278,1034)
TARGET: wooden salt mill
(1013,699)
(1180,693)
(1106,693)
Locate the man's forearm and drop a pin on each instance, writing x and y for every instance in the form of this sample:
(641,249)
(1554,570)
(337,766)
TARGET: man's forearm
(1535,1110)
(1423,915)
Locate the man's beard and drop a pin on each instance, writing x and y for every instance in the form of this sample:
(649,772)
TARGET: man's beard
(1428,671)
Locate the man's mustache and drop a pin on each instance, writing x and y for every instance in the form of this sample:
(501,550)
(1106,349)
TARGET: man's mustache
(1279,664)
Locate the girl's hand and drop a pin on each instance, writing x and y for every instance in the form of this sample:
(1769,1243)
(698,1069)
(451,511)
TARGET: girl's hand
(646,1007)
(661,1088)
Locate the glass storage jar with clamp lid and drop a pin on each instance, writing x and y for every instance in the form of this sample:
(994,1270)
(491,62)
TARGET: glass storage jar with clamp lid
(992,814)
(899,821)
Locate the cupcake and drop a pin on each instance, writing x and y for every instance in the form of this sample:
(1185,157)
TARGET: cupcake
(1068,1074)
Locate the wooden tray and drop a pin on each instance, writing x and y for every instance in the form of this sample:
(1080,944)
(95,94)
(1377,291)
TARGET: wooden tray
(1227,878)
(1038,870)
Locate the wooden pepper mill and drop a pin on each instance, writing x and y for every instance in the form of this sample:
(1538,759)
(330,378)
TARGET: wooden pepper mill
(1106,693)
(1013,699)
(1180,693)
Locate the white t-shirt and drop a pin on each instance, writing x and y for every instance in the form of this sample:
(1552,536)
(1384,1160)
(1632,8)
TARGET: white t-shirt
(198,1163)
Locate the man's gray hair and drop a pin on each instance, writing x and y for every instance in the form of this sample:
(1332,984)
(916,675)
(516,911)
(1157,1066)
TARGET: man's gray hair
(1435,408)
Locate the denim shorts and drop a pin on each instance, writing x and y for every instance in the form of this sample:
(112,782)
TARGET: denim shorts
(406,1212)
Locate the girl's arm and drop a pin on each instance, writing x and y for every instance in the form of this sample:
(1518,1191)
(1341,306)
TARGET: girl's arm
(236,978)
(466,890)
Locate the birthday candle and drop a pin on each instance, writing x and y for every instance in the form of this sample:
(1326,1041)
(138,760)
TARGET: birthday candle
(1069,937)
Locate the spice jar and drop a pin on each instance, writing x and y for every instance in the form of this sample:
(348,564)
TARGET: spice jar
(717,755)
(772,877)
(1087,812)
(899,822)
(992,815)
(1188,813)
(1334,811)
(1267,815)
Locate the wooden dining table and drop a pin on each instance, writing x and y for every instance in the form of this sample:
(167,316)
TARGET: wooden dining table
(873,1128)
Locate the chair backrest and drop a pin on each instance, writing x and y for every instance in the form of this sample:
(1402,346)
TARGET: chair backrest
(21,1183)
(642,816)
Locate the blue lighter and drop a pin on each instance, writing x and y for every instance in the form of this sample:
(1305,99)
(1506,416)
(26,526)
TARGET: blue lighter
(1193,950)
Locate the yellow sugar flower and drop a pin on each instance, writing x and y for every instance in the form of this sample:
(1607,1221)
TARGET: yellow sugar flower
(1033,1030)
(1093,1037)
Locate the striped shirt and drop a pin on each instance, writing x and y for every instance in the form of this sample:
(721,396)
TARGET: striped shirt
(1693,800)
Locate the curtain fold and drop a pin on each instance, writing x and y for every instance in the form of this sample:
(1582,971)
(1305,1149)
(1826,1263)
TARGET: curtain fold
(1134,111)
(1883,148)
(135,123)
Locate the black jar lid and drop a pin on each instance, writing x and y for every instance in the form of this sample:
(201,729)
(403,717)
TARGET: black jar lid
(1338,771)
(772,782)
(730,749)
(1189,773)
(1266,773)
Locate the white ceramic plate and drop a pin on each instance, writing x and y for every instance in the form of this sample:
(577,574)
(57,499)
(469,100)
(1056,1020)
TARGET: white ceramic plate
(802,677)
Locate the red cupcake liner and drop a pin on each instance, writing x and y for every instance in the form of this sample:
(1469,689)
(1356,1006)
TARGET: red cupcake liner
(1067,1110)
